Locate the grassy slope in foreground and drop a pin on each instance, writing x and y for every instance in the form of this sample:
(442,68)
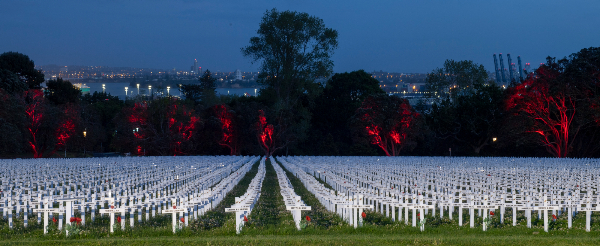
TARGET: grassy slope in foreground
(361,239)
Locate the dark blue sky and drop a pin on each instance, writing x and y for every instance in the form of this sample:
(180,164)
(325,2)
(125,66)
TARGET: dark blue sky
(394,36)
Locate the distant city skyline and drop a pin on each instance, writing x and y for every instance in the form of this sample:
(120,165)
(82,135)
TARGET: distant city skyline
(395,36)
(41,66)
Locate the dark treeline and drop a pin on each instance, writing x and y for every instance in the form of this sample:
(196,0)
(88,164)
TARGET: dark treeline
(554,111)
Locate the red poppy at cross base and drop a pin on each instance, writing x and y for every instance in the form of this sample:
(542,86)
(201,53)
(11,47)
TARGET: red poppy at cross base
(76,220)
(119,219)
(245,218)
(492,213)
(308,218)
(182,220)
(364,215)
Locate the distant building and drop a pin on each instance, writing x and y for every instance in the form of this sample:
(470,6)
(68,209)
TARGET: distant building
(195,66)
(238,74)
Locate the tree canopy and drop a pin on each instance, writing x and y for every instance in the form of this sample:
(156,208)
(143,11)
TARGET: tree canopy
(455,77)
(293,49)
(61,91)
(333,109)
(23,67)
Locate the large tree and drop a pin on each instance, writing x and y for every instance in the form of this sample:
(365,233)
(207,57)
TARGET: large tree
(208,87)
(48,128)
(98,112)
(389,122)
(223,117)
(11,121)
(469,121)
(550,103)
(23,67)
(560,104)
(61,91)
(159,127)
(466,109)
(455,78)
(583,70)
(333,109)
(293,49)
(204,92)
(10,82)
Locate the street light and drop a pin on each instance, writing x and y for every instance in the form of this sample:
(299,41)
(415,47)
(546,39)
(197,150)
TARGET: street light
(494,139)
(84,138)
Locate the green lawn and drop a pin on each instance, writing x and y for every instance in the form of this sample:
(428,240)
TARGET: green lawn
(271,224)
(332,239)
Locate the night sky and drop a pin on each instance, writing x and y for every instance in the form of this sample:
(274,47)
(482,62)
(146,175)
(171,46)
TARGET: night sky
(394,36)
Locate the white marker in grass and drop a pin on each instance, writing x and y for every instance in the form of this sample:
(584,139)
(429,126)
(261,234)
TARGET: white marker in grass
(173,212)
(46,211)
(112,211)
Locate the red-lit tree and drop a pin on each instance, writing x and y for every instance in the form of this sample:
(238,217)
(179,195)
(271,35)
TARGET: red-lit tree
(68,121)
(162,127)
(226,119)
(48,128)
(35,107)
(389,122)
(137,118)
(549,101)
(265,135)
(182,125)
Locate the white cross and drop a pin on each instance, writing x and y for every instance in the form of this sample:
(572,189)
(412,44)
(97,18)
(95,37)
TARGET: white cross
(46,211)
(545,209)
(112,211)
(297,210)
(174,212)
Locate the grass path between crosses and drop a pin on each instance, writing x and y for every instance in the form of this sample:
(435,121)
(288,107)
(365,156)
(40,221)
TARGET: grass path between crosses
(321,218)
(269,216)
(217,216)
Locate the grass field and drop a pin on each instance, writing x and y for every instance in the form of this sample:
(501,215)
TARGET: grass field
(271,224)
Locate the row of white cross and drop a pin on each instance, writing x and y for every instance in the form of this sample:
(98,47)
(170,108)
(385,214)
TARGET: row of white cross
(120,185)
(349,210)
(244,204)
(292,201)
(424,184)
